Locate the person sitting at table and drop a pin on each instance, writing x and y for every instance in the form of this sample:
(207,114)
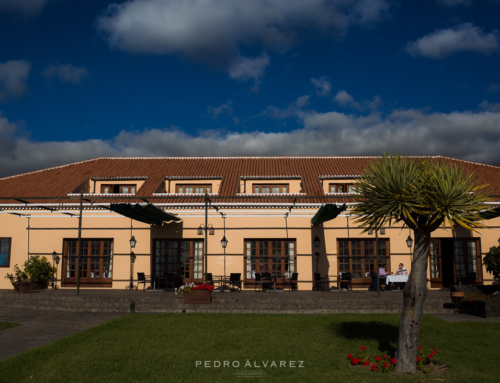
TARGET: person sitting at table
(383,273)
(401,270)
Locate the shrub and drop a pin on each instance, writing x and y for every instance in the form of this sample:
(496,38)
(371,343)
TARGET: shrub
(17,278)
(39,269)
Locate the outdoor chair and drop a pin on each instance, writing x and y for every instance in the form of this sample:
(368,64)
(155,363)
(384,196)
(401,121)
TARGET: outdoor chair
(293,281)
(266,280)
(235,280)
(319,281)
(169,280)
(346,279)
(143,278)
(258,281)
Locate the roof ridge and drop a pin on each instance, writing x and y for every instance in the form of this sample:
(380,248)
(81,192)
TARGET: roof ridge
(470,162)
(247,157)
(51,168)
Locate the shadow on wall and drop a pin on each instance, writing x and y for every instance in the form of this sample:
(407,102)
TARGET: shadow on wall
(323,265)
(385,334)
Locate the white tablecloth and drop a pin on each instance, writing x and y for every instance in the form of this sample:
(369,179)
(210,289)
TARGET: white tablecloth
(397,278)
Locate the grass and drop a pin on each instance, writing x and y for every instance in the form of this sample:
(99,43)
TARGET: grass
(6,325)
(165,348)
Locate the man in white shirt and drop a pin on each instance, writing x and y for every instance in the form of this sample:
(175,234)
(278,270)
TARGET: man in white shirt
(401,270)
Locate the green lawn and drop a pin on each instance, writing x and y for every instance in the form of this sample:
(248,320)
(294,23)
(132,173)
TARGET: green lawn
(5,325)
(165,348)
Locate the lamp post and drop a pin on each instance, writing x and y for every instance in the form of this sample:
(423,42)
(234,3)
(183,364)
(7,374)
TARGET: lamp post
(317,260)
(132,261)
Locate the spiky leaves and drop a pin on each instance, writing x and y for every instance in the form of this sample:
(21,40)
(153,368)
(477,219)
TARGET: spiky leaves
(422,192)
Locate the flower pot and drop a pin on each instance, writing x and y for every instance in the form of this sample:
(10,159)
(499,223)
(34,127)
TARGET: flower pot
(198,297)
(23,288)
(40,285)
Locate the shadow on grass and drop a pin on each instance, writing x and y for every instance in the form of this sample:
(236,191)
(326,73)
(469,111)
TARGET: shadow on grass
(385,334)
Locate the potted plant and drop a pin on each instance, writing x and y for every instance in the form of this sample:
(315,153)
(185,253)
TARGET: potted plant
(40,271)
(19,280)
(200,294)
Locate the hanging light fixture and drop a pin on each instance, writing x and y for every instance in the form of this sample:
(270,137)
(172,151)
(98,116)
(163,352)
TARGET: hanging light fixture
(316,241)
(54,256)
(132,242)
(210,229)
(223,242)
(409,241)
(200,230)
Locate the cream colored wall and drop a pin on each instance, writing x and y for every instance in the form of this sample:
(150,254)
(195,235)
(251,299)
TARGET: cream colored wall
(47,235)
(98,184)
(293,184)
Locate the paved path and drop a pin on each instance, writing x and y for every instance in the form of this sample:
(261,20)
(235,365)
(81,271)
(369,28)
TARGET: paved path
(465,318)
(40,327)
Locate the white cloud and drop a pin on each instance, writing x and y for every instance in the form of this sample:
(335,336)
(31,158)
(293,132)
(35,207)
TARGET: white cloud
(493,87)
(28,7)
(445,42)
(13,76)
(490,107)
(66,73)
(343,98)
(215,30)
(224,108)
(247,68)
(323,85)
(473,136)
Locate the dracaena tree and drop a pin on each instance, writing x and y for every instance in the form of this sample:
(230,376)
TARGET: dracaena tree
(423,193)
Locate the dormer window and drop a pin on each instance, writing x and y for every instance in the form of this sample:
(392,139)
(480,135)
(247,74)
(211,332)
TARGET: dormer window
(343,188)
(270,188)
(192,189)
(118,189)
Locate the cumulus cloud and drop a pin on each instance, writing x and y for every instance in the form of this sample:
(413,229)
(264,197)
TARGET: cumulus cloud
(66,73)
(323,85)
(28,7)
(343,98)
(490,107)
(215,30)
(468,135)
(13,76)
(224,108)
(445,42)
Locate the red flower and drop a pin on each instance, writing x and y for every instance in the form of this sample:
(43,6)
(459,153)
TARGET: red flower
(354,361)
(435,349)
(385,366)
(349,356)
(419,359)
(362,348)
(433,353)
(374,367)
(429,356)
(372,356)
(393,361)
(419,347)
(378,358)
(367,363)
(385,356)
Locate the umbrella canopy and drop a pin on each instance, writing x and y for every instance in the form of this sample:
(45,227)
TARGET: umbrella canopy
(143,213)
(327,212)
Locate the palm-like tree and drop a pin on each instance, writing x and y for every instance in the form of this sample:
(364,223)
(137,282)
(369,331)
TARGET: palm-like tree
(423,193)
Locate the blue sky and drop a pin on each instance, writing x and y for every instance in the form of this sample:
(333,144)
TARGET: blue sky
(87,78)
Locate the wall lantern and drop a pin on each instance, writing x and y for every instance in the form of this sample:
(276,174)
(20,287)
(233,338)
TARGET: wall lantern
(54,256)
(316,241)
(132,242)
(409,241)
(223,242)
(210,229)
(200,230)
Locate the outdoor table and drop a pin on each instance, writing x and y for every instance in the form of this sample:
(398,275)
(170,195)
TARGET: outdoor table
(396,279)
(270,278)
(222,280)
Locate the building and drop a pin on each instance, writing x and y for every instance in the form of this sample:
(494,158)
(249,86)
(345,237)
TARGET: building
(263,206)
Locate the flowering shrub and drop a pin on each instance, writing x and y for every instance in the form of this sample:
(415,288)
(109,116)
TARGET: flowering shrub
(190,287)
(18,277)
(39,269)
(473,297)
(387,364)
(424,358)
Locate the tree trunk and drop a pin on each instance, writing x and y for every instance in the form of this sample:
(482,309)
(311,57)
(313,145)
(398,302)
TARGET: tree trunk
(414,294)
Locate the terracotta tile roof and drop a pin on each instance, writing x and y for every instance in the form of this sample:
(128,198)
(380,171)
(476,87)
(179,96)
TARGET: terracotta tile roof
(61,180)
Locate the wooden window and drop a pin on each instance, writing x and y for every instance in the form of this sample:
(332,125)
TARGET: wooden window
(467,257)
(5,245)
(183,258)
(270,188)
(357,256)
(96,267)
(343,188)
(275,256)
(193,189)
(118,189)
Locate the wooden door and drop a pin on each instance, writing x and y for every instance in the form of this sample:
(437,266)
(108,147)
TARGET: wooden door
(436,263)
